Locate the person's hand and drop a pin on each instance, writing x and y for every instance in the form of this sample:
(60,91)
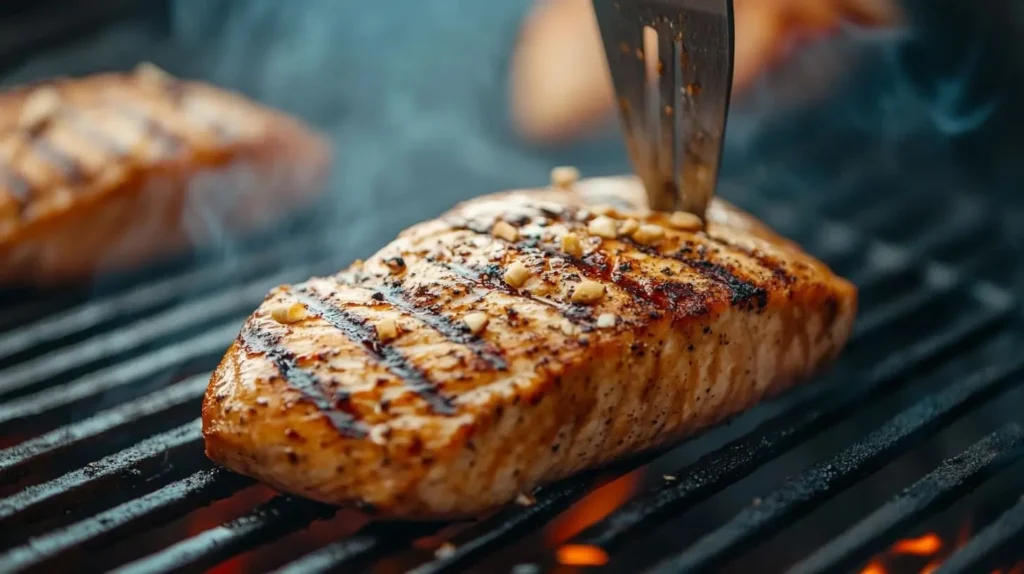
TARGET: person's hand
(560,82)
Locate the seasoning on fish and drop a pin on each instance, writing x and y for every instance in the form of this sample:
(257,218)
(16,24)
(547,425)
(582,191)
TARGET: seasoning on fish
(496,386)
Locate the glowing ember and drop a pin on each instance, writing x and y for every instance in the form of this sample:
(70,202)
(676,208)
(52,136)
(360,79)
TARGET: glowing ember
(593,508)
(929,546)
(873,568)
(581,555)
(926,545)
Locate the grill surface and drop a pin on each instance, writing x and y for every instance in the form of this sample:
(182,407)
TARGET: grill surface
(917,429)
(102,465)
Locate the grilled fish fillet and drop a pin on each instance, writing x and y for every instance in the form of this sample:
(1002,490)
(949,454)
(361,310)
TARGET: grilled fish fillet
(108,171)
(519,339)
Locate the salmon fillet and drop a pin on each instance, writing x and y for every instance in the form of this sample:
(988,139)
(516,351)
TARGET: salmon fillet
(108,171)
(520,338)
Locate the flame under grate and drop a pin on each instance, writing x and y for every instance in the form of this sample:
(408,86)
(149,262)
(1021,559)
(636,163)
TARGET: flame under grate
(101,445)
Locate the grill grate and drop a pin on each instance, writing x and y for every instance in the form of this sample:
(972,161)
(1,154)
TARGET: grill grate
(99,393)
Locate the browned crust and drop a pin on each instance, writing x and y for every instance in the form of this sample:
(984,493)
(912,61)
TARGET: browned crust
(582,401)
(109,177)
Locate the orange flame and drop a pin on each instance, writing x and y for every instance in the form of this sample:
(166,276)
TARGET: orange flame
(926,545)
(223,511)
(874,567)
(930,546)
(581,555)
(593,508)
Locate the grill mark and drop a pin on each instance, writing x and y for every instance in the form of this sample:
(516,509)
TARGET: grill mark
(93,133)
(594,265)
(453,332)
(772,264)
(742,293)
(665,295)
(168,139)
(303,381)
(68,166)
(600,270)
(356,330)
(19,187)
(491,279)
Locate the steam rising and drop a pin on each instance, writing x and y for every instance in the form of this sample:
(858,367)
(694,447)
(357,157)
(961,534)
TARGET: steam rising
(411,94)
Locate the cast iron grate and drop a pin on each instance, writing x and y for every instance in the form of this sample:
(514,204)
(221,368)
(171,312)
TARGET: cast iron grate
(99,397)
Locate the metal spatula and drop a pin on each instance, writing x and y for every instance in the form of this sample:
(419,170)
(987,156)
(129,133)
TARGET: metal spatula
(673,91)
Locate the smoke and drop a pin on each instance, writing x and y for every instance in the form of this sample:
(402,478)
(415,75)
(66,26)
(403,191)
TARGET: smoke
(408,92)
(412,96)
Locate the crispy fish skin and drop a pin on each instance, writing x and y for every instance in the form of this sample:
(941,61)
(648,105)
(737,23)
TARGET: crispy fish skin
(106,172)
(379,387)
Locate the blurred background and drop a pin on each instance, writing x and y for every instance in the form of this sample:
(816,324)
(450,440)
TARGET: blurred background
(891,152)
(415,96)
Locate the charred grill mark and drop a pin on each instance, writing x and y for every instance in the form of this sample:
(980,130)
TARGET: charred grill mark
(664,295)
(71,171)
(772,264)
(742,293)
(303,381)
(19,187)
(490,278)
(356,330)
(453,332)
(170,141)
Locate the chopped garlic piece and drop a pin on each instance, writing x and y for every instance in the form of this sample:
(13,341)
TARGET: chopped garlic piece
(564,176)
(288,314)
(588,292)
(505,230)
(629,226)
(387,329)
(603,226)
(648,234)
(685,221)
(517,274)
(571,244)
(476,322)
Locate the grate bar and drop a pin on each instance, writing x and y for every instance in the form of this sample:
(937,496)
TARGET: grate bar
(373,540)
(899,256)
(889,313)
(142,298)
(825,404)
(158,507)
(999,537)
(508,525)
(821,481)
(234,303)
(112,468)
(952,479)
(118,418)
(280,516)
(133,372)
